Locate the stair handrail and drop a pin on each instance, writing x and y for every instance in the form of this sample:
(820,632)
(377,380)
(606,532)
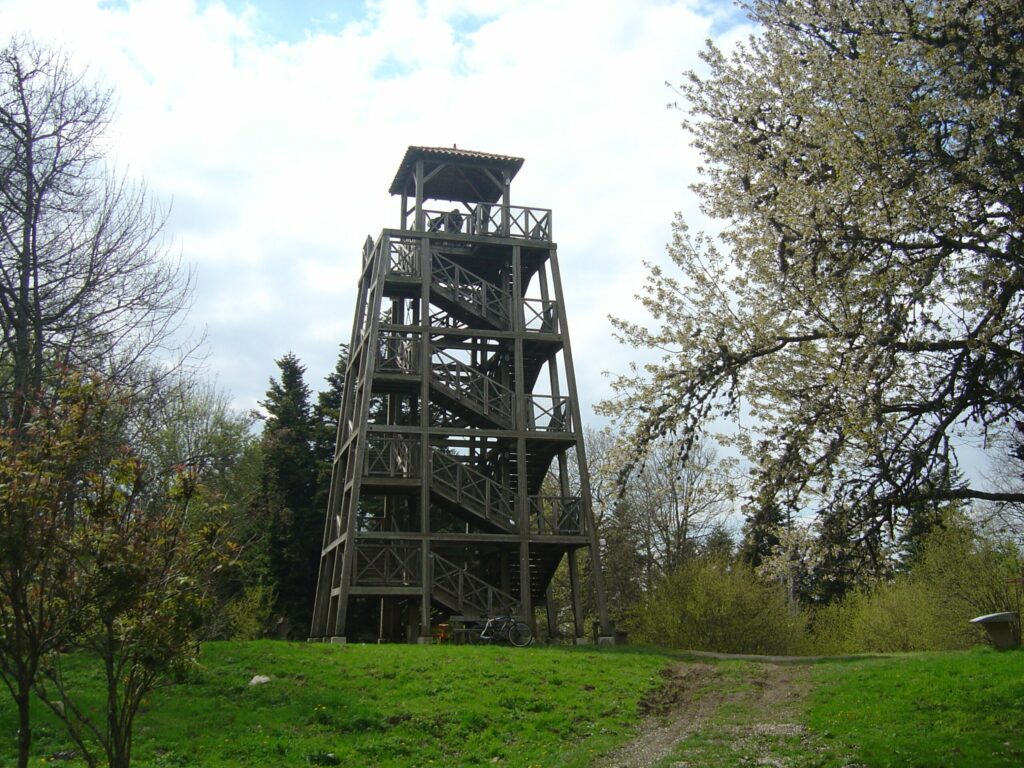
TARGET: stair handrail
(492,397)
(469,590)
(487,299)
(494,501)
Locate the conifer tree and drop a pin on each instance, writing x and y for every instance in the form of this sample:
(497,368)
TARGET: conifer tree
(325,426)
(288,488)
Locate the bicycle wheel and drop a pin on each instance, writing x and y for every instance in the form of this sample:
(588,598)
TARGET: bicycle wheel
(520,634)
(473,636)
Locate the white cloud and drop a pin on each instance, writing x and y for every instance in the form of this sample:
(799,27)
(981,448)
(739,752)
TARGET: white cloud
(278,155)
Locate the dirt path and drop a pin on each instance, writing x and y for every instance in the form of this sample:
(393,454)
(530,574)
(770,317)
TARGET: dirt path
(762,700)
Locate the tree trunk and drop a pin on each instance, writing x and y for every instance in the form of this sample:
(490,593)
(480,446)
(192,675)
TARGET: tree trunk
(24,723)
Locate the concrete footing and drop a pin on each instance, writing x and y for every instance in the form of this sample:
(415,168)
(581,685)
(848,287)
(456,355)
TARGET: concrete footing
(338,640)
(606,640)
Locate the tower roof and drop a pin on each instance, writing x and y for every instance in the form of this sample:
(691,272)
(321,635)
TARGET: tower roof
(461,175)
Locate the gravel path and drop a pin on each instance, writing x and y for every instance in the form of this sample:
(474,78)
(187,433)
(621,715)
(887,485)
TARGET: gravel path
(692,695)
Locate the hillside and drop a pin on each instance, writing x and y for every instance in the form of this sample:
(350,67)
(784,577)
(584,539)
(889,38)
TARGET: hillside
(464,706)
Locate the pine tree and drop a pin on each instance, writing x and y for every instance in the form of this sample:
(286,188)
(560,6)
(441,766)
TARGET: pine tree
(325,427)
(288,490)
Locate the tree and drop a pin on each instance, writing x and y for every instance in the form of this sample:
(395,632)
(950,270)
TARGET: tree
(862,307)
(100,553)
(325,420)
(761,530)
(140,577)
(42,468)
(648,523)
(289,484)
(678,503)
(198,432)
(715,605)
(86,291)
(84,281)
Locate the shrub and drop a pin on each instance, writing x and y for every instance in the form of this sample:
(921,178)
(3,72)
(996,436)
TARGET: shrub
(956,576)
(248,614)
(712,605)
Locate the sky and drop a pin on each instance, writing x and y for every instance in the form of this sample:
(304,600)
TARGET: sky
(273,128)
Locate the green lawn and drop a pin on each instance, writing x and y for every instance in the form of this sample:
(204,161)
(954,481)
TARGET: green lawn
(560,707)
(394,705)
(928,709)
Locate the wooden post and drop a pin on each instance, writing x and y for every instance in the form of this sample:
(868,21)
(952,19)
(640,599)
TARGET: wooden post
(419,198)
(424,427)
(581,459)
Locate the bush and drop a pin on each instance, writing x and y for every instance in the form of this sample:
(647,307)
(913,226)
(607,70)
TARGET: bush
(956,576)
(248,614)
(710,604)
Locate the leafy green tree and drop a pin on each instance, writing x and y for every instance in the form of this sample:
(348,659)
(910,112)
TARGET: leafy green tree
(626,567)
(99,552)
(288,493)
(765,518)
(42,467)
(956,574)
(86,290)
(862,306)
(199,432)
(140,579)
(719,544)
(850,557)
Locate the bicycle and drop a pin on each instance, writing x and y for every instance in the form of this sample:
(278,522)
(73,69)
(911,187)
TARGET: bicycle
(501,629)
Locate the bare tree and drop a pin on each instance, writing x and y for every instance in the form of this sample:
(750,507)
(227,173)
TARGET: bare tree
(679,503)
(85,279)
(652,519)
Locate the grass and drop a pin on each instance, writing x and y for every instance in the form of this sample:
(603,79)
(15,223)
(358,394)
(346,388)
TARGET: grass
(928,709)
(474,706)
(925,710)
(382,706)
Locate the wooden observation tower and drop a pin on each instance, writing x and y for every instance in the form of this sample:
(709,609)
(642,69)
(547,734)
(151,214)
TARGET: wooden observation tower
(460,481)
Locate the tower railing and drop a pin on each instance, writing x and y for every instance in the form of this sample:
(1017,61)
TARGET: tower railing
(403,257)
(390,455)
(397,352)
(541,315)
(547,413)
(394,564)
(490,219)
(556,515)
